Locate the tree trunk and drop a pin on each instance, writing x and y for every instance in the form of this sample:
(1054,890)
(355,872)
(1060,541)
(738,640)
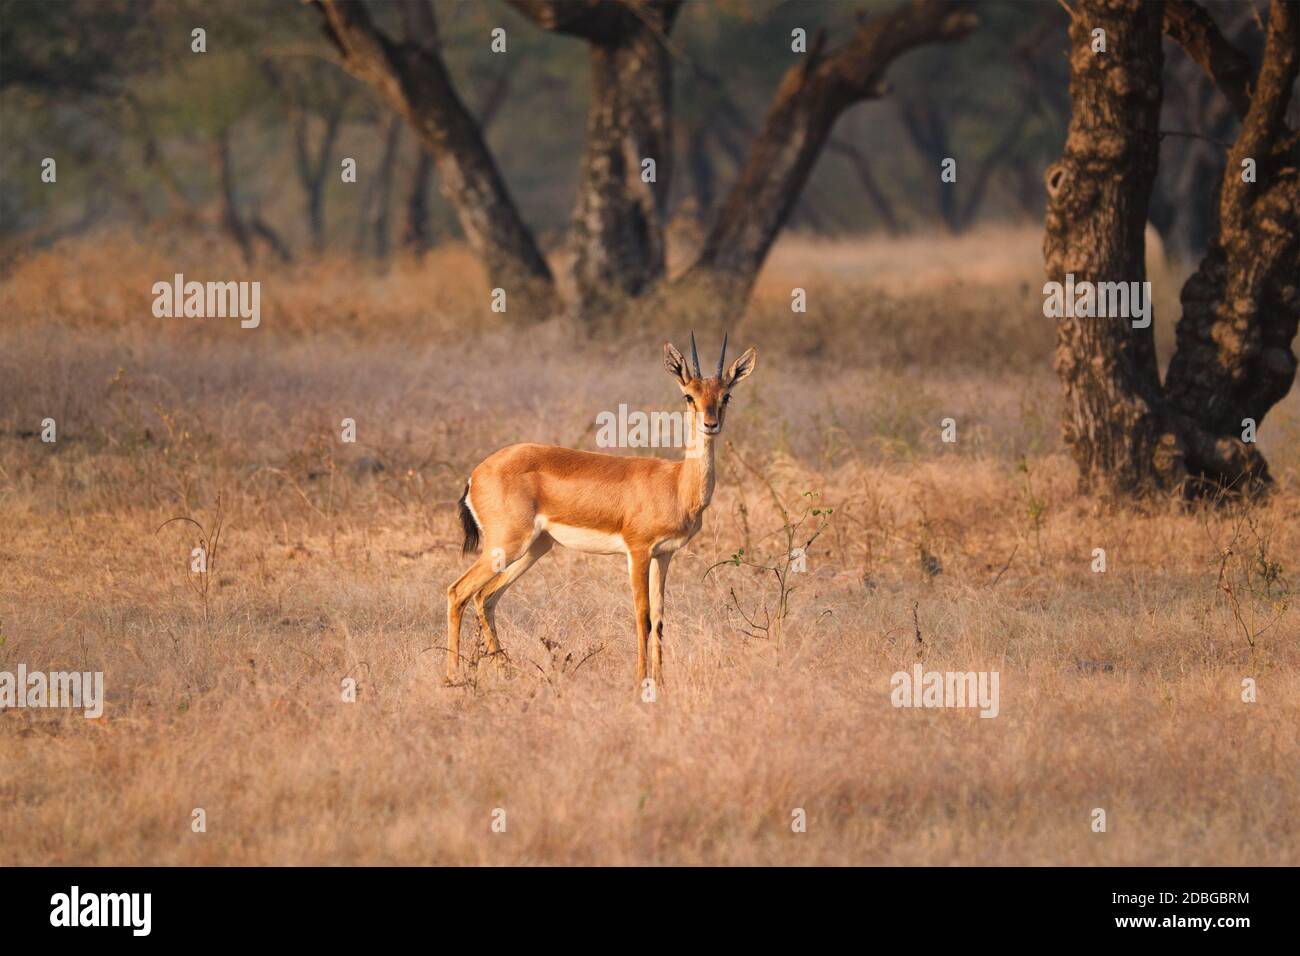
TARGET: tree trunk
(242,229)
(412,78)
(617,231)
(1240,309)
(1241,306)
(1200,36)
(809,100)
(416,234)
(231,220)
(274,241)
(310,164)
(928,130)
(420,27)
(997,155)
(313,167)
(384,197)
(1096,213)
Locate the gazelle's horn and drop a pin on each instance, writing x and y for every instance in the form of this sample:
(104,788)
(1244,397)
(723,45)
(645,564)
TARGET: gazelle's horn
(722,359)
(695,357)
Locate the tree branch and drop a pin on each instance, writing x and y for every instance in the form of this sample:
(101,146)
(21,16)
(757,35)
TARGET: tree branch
(1226,66)
(412,78)
(807,103)
(1265,120)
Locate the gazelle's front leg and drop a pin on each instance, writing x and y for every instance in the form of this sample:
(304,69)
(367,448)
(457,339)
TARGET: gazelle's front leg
(658,581)
(638,563)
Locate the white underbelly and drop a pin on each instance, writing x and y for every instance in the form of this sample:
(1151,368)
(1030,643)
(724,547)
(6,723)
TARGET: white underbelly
(584,539)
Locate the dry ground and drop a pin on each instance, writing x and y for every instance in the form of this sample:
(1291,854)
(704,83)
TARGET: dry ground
(1119,690)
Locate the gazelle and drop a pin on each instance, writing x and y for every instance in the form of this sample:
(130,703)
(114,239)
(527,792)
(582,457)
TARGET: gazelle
(524,499)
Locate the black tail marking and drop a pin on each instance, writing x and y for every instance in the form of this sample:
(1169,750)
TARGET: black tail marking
(469,524)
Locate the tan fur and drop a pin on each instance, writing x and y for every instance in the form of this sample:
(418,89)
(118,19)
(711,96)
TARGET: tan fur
(645,507)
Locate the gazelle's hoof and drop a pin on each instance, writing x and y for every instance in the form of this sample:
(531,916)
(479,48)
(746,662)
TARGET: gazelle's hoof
(501,665)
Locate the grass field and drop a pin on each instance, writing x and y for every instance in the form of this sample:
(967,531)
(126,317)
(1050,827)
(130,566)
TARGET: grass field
(1120,690)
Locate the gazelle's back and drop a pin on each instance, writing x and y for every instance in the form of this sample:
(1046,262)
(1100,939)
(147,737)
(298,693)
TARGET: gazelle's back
(570,487)
(532,458)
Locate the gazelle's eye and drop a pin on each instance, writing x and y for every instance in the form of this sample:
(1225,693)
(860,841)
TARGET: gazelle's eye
(690,400)
(725,399)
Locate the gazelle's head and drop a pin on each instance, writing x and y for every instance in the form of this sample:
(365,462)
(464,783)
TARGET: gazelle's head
(707,398)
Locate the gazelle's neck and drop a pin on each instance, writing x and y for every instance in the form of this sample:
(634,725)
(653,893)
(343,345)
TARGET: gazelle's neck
(696,486)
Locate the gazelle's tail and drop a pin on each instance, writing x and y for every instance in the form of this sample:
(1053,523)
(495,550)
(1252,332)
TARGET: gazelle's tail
(469,523)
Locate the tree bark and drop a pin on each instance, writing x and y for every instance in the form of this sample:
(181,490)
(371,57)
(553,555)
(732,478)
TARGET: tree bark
(1241,306)
(810,98)
(1096,213)
(412,78)
(617,230)
(416,233)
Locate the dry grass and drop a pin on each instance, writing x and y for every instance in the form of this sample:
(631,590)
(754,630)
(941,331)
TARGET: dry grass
(1118,690)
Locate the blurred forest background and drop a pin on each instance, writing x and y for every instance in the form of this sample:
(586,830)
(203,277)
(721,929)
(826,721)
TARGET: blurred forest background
(248,138)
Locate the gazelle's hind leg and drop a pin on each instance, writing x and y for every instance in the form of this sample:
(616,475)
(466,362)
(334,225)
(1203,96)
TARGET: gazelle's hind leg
(497,548)
(458,595)
(485,601)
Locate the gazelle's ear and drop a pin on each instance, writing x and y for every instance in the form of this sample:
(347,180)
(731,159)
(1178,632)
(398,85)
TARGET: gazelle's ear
(675,364)
(741,367)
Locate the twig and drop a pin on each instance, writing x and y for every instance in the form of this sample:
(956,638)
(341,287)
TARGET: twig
(1005,566)
(588,657)
(1186,135)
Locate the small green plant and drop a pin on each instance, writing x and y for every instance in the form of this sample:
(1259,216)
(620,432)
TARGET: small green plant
(1251,581)
(209,541)
(1035,507)
(797,533)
